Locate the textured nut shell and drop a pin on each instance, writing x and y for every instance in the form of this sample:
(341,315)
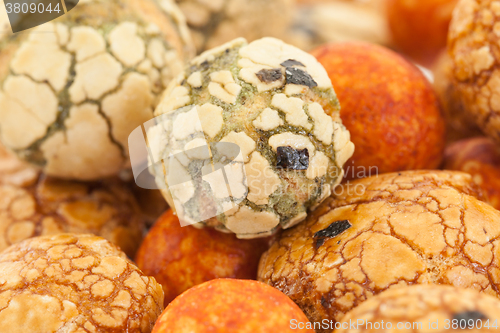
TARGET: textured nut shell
(228,305)
(182,257)
(412,227)
(70,96)
(389,107)
(213,23)
(34,205)
(474,51)
(459,123)
(425,304)
(479,157)
(419,28)
(70,283)
(223,96)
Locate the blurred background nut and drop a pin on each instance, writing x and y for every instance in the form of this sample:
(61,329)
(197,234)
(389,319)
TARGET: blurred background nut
(70,96)
(459,123)
(413,227)
(216,22)
(473,47)
(231,306)
(322,21)
(479,157)
(425,308)
(32,204)
(419,27)
(388,106)
(182,257)
(74,283)
(151,203)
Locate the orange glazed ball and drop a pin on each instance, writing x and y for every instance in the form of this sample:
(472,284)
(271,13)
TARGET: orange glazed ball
(419,27)
(182,257)
(232,306)
(388,106)
(481,158)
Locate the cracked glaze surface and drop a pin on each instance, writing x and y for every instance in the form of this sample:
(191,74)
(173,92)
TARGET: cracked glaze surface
(33,205)
(415,227)
(73,89)
(474,49)
(75,284)
(259,97)
(427,304)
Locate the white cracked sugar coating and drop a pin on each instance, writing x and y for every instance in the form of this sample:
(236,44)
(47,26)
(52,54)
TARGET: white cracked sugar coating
(82,60)
(197,149)
(86,86)
(247,221)
(323,123)
(126,45)
(261,179)
(211,119)
(195,80)
(186,123)
(134,99)
(260,50)
(295,89)
(249,71)
(224,87)
(177,98)
(267,120)
(35,105)
(295,141)
(281,192)
(86,42)
(85,142)
(244,142)
(50,64)
(293,108)
(318,165)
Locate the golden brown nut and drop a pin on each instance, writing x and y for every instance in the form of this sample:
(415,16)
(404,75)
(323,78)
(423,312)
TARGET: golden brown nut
(73,89)
(216,22)
(231,306)
(74,283)
(425,308)
(32,204)
(419,28)
(388,106)
(473,47)
(383,232)
(459,123)
(479,157)
(151,203)
(182,257)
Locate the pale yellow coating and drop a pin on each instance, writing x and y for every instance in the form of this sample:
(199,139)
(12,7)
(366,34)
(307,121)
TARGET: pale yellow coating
(73,89)
(414,227)
(473,48)
(34,205)
(74,283)
(426,308)
(215,22)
